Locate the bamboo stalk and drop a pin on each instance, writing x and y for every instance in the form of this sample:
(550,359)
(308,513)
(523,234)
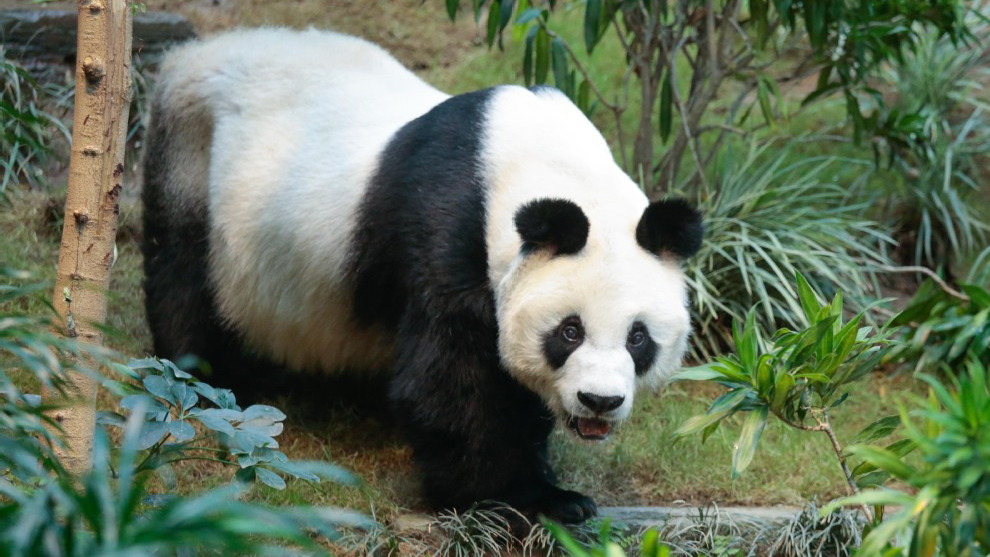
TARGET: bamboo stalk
(87,252)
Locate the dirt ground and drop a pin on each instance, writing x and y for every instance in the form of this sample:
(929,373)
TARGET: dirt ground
(415,31)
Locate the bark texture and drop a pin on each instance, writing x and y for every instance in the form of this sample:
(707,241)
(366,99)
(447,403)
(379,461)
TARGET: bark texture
(103,89)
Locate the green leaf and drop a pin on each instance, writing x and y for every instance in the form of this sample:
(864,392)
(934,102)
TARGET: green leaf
(884,460)
(158,386)
(785,382)
(749,437)
(723,406)
(964,337)
(528,57)
(505,16)
(705,372)
(213,419)
(573,547)
(263,411)
(871,497)
(878,429)
(809,301)
(452,6)
(747,344)
(181,430)
(977,295)
(592,20)
(528,15)
(494,11)
(151,433)
(758,14)
(666,107)
(763,95)
(269,478)
(542,53)
(559,58)
(648,545)
(584,97)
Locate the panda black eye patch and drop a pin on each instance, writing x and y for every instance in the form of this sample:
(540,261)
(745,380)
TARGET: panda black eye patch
(564,339)
(641,347)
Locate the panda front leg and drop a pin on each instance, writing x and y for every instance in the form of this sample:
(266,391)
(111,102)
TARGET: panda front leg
(477,434)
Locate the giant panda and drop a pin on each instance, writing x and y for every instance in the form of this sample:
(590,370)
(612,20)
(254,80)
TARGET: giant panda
(310,202)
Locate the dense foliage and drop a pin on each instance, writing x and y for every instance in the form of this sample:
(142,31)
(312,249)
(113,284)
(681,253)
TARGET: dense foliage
(44,510)
(715,43)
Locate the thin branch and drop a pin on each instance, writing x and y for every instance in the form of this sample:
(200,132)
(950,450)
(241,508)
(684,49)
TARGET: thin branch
(671,67)
(712,43)
(577,64)
(211,459)
(795,425)
(930,273)
(723,127)
(827,428)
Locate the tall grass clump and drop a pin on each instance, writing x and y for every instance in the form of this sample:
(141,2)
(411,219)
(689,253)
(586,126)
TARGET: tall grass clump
(28,130)
(935,216)
(767,219)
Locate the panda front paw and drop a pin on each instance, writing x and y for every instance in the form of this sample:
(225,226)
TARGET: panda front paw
(568,507)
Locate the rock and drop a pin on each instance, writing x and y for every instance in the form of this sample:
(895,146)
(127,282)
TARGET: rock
(654,516)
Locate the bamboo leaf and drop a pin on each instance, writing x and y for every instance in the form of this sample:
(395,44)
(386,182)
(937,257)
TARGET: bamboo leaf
(542,53)
(592,21)
(559,59)
(494,11)
(749,437)
(666,108)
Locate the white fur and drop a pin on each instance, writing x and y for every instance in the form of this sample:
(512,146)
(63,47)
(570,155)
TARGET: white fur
(298,120)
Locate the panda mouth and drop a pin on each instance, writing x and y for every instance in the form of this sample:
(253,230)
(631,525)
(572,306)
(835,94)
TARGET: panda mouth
(593,429)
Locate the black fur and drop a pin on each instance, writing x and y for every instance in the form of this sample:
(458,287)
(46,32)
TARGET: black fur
(558,225)
(670,227)
(178,298)
(419,265)
(644,354)
(556,349)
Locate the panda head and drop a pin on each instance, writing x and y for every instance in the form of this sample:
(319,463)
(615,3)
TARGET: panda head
(594,304)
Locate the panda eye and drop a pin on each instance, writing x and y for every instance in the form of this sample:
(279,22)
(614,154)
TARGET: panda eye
(637,336)
(571,331)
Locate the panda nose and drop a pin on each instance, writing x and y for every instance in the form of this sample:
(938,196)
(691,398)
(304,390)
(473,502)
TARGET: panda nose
(600,404)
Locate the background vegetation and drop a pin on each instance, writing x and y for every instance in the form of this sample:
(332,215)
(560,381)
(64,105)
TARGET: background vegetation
(842,142)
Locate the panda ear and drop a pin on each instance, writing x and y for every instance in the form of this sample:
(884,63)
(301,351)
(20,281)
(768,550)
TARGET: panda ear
(670,226)
(558,225)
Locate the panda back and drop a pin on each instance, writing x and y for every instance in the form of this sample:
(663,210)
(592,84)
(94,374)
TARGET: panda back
(287,128)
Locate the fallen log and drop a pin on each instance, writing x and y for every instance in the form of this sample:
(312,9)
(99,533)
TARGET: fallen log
(51,33)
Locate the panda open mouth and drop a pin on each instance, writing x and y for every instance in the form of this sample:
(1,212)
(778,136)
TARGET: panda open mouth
(593,429)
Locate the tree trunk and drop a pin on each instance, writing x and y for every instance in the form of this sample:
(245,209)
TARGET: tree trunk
(103,90)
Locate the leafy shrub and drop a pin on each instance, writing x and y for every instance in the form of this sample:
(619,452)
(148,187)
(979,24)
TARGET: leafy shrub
(105,513)
(948,511)
(942,330)
(678,57)
(25,140)
(44,510)
(940,83)
(170,401)
(798,376)
(767,219)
